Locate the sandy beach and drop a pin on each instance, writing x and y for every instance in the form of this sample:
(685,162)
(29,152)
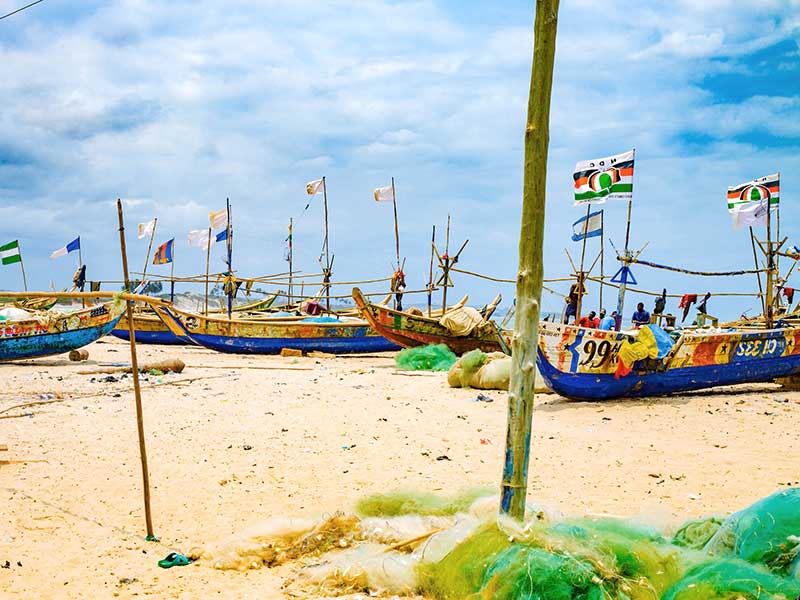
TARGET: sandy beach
(256,437)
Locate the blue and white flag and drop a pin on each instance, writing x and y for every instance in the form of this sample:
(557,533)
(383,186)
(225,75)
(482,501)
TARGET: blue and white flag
(73,245)
(222,235)
(589,226)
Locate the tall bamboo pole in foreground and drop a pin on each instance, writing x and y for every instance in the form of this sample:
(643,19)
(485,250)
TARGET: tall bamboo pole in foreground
(135,372)
(530,274)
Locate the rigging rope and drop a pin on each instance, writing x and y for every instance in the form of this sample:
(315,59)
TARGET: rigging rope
(690,272)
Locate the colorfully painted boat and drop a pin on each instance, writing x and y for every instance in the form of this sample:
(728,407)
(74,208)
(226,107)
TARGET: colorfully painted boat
(53,332)
(580,363)
(270,336)
(411,330)
(150,329)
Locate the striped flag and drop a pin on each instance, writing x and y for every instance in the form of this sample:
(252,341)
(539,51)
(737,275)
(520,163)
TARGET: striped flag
(586,227)
(218,218)
(10,254)
(73,245)
(602,179)
(164,253)
(761,190)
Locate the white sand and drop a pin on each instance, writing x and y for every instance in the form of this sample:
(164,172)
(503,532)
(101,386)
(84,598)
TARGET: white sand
(76,524)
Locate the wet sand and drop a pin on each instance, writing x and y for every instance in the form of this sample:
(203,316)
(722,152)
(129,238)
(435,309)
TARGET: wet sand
(306,437)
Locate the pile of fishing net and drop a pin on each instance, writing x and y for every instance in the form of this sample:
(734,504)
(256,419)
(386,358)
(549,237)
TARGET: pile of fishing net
(492,371)
(436,357)
(455,548)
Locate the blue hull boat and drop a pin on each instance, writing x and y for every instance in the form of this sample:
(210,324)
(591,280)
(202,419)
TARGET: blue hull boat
(270,336)
(582,363)
(59,333)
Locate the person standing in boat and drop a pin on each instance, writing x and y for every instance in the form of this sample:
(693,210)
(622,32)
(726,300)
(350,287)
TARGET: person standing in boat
(575,291)
(640,317)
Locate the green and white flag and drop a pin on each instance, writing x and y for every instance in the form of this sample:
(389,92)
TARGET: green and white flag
(9,253)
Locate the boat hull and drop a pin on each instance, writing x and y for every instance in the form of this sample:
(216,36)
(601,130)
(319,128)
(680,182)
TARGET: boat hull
(270,337)
(410,331)
(570,364)
(149,330)
(31,339)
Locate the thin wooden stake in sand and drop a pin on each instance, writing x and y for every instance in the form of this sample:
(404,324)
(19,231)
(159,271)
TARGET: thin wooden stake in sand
(529,278)
(135,372)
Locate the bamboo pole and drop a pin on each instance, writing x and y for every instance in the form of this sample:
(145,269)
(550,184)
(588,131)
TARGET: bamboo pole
(291,251)
(327,252)
(396,227)
(770,267)
(581,284)
(758,275)
(149,248)
(531,264)
(208,261)
(446,265)
(602,254)
(135,373)
(172,274)
(430,271)
(229,241)
(22,266)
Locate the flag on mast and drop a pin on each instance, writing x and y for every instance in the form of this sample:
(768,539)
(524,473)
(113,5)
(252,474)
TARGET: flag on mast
(218,218)
(383,194)
(199,238)
(10,254)
(748,202)
(314,187)
(146,229)
(587,227)
(163,255)
(73,245)
(602,179)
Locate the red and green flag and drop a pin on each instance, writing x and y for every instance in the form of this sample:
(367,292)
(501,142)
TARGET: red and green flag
(601,179)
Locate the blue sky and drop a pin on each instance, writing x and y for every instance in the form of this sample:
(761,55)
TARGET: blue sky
(175,106)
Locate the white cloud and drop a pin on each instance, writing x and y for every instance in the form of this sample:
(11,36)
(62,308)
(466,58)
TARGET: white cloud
(251,100)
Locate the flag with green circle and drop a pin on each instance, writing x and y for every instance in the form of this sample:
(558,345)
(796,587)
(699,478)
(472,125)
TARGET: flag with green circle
(601,179)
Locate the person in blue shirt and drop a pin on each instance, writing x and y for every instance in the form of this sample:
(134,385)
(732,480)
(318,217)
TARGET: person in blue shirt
(640,317)
(607,323)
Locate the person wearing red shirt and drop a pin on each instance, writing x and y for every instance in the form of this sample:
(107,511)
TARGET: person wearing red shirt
(590,321)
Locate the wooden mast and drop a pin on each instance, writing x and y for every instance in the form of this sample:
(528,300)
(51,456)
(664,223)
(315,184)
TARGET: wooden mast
(208,261)
(581,278)
(430,272)
(149,248)
(530,274)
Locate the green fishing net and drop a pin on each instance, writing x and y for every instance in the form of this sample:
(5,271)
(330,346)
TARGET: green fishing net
(768,533)
(753,555)
(732,580)
(426,358)
(394,504)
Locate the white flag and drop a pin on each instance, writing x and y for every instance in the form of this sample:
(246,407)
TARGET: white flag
(752,213)
(146,229)
(313,187)
(199,238)
(218,218)
(383,194)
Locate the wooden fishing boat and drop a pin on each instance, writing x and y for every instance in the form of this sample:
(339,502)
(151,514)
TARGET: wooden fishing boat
(54,332)
(270,336)
(580,363)
(411,330)
(150,329)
